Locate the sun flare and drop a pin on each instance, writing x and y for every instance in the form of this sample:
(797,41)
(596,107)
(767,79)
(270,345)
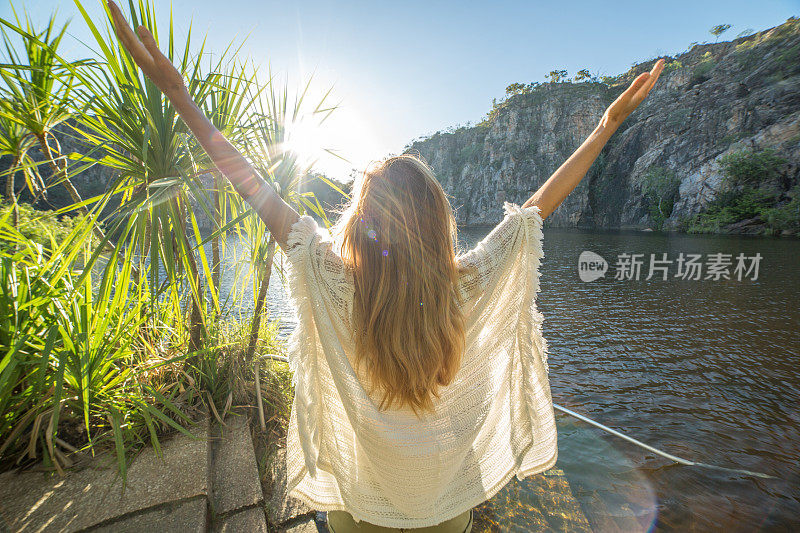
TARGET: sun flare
(336,146)
(306,138)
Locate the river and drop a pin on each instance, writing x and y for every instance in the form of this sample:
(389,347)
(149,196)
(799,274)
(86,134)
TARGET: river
(705,369)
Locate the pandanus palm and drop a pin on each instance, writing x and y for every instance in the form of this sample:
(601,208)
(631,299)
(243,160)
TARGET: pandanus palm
(40,87)
(269,145)
(158,176)
(229,101)
(71,351)
(16,142)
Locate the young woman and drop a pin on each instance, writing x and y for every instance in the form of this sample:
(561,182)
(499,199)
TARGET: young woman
(421,378)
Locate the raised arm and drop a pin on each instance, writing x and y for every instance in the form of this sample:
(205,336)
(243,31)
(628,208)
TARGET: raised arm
(276,214)
(566,178)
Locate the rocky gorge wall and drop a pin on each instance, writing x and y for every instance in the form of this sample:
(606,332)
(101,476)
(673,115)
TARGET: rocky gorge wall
(710,101)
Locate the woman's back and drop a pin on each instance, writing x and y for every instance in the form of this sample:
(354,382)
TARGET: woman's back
(493,421)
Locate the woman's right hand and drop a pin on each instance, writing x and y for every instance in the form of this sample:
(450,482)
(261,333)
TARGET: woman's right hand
(629,100)
(146,54)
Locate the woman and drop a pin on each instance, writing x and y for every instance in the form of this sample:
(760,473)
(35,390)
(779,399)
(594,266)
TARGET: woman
(421,383)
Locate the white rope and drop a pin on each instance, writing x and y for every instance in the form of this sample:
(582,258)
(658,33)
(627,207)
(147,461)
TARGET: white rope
(669,456)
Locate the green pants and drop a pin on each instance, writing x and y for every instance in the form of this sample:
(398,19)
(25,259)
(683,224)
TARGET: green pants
(343,522)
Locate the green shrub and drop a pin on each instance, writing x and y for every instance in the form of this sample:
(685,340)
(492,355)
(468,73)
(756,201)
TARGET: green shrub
(660,187)
(788,56)
(750,190)
(785,217)
(685,223)
(749,168)
(42,227)
(730,207)
(701,70)
(673,65)
(747,53)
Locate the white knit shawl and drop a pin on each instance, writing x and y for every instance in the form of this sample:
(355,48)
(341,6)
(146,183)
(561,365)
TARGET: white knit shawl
(494,421)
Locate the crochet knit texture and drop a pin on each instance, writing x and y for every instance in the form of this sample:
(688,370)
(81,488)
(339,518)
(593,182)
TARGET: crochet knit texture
(494,421)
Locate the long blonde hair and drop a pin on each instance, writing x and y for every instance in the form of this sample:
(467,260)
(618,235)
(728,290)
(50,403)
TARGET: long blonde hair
(398,235)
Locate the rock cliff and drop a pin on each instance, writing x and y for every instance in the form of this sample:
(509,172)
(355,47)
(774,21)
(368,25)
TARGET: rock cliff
(710,101)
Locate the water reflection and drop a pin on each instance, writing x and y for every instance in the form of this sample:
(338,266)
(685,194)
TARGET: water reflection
(614,494)
(702,369)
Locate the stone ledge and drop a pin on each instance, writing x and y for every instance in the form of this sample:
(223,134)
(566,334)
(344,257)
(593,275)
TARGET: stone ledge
(175,516)
(33,501)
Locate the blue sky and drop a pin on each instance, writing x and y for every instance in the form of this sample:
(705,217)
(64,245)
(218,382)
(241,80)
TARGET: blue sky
(403,70)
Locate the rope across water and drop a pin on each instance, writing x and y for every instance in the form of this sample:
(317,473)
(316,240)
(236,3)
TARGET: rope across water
(669,456)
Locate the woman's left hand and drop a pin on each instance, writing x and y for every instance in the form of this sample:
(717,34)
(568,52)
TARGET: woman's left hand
(276,213)
(146,54)
(631,98)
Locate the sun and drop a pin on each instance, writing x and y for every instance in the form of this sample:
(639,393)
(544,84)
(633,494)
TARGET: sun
(334,146)
(306,138)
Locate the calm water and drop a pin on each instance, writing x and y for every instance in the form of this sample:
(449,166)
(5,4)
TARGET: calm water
(703,369)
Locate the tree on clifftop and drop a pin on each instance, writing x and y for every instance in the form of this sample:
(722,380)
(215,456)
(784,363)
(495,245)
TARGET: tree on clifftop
(515,88)
(718,30)
(556,76)
(583,74)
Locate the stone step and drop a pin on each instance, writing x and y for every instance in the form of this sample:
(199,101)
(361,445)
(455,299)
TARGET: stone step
(234,472)
(205,483)
(211,483)
(281,509)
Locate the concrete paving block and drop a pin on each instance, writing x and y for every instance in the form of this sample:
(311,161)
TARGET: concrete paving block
(34,501)
(235,482)
(188,516)
(248,521)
